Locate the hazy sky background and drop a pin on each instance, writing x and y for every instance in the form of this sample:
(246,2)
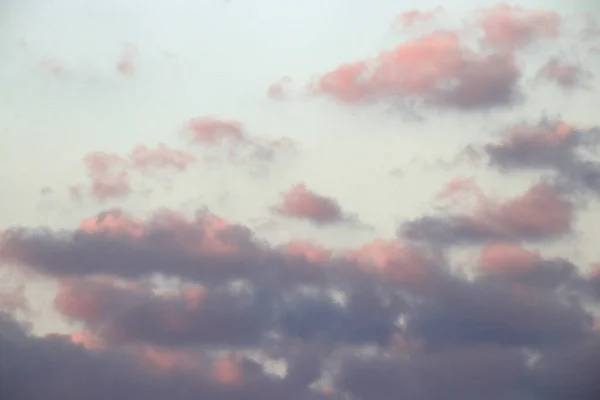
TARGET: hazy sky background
(63,96)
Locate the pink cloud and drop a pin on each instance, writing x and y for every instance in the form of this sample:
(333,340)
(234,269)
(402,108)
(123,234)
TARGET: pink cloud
(540,210)
(166,359)
(393,260)
(108,176)
(566,75)
(509,27)
(126,66)
(435,69)
(499,258)
(300,202)
(87,339)
(227,370)
(278,90)
(113,222)
(210,130)
(308,251)
(209,237)
(231,136)
(414,17)
(143,157)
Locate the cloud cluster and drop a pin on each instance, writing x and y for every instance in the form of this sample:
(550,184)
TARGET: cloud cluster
(110,174)
(179,306)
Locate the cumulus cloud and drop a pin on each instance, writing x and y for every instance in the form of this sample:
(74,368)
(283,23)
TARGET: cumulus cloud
(110,173)
(542,212)
(507,27)
(564,74)
(436,69)
(67,370)
(232,137)
(302,203)
(409,19)
(553,146)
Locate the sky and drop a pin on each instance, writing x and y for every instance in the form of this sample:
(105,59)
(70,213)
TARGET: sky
(250,200)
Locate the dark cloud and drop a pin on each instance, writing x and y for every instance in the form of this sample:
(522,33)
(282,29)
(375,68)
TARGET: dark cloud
(488,311)
(194,316)
(542,212)
(564,74)
(475,372)
(552,146)
(53,367)
(463,373)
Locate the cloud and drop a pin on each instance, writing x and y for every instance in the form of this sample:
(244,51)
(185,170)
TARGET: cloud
(509,261)
(411,18)
(486,371)
(435,69)
(144,158)
(300,202)
(12,298)
(231,136)
(108,177)
(563,74)
(110,174)
(126,64)
(550,145)
(53,366)
(279,90)
(507,27)
(540,213)
(210,130)
(168,242)
(124,315)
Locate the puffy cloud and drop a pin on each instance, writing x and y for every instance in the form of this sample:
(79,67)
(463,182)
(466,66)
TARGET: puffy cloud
(514,263)
(144,157)
(278,90)
(540,213)
(496,312)
(231,135)
(564,74)
(550,145)
(108,178)
(411,18)
(167,243)
(508,27)
(110,174)
(211,130)
(300,202)
(125,315)
(436,69)
(53,366)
